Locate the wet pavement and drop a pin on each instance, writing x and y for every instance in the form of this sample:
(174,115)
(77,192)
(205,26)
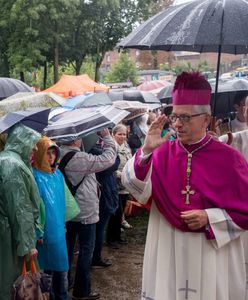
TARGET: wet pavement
(121,281)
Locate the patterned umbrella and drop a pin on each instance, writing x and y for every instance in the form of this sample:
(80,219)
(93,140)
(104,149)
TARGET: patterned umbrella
(73,124)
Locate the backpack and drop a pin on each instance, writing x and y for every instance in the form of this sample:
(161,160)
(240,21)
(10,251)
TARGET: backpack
(63,163)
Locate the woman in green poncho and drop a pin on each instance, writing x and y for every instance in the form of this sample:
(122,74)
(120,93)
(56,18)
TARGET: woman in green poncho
(19,205)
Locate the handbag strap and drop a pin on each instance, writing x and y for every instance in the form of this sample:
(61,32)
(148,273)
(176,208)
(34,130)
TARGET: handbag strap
(63,163)
(33,268)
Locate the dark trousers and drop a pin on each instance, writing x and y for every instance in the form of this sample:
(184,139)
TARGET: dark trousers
(114,225)
(59,285)
(86,238)
(100,234)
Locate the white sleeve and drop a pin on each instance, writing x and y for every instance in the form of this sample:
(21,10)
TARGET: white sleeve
(141,190)
(223,138)
(143,158)
(224,229)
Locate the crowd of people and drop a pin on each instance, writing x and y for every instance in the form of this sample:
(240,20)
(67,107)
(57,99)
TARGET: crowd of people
(195,185)
(38,178)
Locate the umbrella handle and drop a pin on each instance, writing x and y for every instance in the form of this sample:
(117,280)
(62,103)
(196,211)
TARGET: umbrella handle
(229,138)
(213,124)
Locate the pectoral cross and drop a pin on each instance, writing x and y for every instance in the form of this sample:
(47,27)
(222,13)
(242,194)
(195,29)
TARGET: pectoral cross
(187,192)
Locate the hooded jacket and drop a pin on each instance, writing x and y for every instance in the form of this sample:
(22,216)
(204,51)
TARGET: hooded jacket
(19,205)
(53,252)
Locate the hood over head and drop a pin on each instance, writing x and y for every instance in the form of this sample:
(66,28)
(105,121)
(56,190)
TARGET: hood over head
(40,160)
(21,140)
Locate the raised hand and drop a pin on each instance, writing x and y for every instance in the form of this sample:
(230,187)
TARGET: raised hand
(32,254)
(104,132)
(153,138)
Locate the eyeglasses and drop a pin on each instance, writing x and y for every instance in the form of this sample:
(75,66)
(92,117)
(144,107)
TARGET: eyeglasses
(184,118)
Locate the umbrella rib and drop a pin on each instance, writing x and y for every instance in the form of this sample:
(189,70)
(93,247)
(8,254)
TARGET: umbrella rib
(199,31)
(154,30)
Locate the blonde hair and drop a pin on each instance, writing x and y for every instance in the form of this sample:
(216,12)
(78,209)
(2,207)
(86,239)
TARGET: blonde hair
(118,128)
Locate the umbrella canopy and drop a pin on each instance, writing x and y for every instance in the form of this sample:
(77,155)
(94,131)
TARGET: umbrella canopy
(73,124)
(11,86)
(134,95)
(135,108)
(87,100)
(200,26)
(149,86)
(22,101)
(225,96)
(165,94)
(35,118)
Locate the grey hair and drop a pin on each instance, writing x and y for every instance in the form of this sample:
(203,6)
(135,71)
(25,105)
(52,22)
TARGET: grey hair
(118,127)
(200,109)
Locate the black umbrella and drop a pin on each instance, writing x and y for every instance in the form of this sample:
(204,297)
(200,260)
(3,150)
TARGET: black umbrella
(134,95)
(226,93)
(11,86)
(200,26)
(35,118)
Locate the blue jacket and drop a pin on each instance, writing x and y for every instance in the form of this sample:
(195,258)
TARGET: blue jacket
(109,200)
(53,252)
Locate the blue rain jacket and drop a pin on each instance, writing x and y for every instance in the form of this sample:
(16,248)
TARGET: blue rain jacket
(53,252)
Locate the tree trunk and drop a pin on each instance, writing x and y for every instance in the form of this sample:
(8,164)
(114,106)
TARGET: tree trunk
(22,78)
(45,75)
(98,65)
(6,72)
(78,65)
(56,58)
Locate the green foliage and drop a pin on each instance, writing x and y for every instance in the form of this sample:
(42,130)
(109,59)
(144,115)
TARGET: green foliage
(123,70)
(182,66)
(203,66)
(164,67)
(63,34)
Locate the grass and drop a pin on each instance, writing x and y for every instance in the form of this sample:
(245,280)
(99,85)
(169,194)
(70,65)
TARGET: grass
(137,235)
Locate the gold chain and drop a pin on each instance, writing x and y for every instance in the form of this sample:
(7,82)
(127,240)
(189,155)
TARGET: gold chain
(187,192)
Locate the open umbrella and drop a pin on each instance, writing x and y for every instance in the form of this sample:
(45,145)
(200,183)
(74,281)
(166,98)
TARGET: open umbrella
(22,101)
(151,85)
(11,86)
(83,121)
(135,108)
(200,26)
(87,100)
(35,118)
(133,95)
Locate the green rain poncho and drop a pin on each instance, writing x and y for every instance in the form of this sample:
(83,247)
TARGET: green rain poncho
(19,205)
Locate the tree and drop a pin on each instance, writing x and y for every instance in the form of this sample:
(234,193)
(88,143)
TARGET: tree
(123,70)
(5,33)
(203,66)
(182,66)
(59,21)
(25,44)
